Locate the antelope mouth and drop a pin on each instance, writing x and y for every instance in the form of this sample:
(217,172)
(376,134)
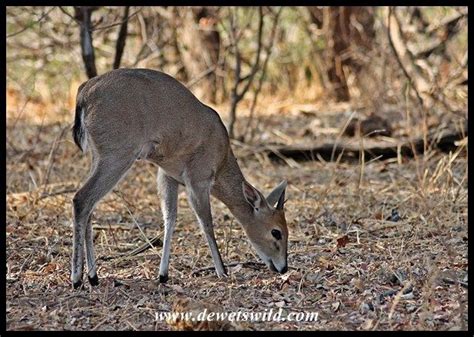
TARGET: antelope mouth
(271,266)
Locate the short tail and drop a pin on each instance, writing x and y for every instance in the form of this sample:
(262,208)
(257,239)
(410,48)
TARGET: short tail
(78,130)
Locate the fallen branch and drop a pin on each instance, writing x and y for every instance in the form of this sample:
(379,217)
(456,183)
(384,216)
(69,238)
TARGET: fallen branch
(348,152)
(55,193)
(155,242)
(451,281)
(249,264)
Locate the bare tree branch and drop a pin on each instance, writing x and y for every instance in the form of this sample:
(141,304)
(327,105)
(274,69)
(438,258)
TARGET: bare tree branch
(268,51)
(237,70)
(71,16)
(448,21)
(237,96)
(126,19)
(201,76)
(45,14)
(254,70)
(450,28)
(414,76)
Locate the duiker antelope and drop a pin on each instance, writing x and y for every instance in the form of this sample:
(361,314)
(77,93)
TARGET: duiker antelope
(131,114)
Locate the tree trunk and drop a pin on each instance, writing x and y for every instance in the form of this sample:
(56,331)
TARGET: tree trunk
(83,15)
(121,39)
(343,39)
(200,45)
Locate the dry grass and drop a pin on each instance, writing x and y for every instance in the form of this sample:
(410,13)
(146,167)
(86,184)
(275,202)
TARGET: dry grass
(358,270)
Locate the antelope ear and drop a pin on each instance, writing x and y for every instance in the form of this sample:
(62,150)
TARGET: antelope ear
(253,197)
(276,198)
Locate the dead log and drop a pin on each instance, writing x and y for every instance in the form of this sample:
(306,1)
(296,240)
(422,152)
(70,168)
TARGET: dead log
(152,243)
(352,152)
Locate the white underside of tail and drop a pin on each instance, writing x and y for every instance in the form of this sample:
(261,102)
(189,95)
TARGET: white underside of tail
(84,132)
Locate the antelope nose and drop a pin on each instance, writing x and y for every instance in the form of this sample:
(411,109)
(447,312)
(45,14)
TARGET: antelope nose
(284,269)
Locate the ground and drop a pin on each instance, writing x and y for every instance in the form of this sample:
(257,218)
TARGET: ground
(378,245)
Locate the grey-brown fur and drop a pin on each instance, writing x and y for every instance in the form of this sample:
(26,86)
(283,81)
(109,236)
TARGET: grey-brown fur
(131,114)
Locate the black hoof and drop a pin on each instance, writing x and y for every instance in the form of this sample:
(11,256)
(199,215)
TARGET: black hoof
(77,284)
(163,278)
(94,280)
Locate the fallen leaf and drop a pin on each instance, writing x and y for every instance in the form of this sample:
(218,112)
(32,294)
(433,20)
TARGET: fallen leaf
(50,267)
(342,241)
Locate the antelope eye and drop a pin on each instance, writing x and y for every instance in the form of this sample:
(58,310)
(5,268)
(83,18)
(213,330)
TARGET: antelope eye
(276,234)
